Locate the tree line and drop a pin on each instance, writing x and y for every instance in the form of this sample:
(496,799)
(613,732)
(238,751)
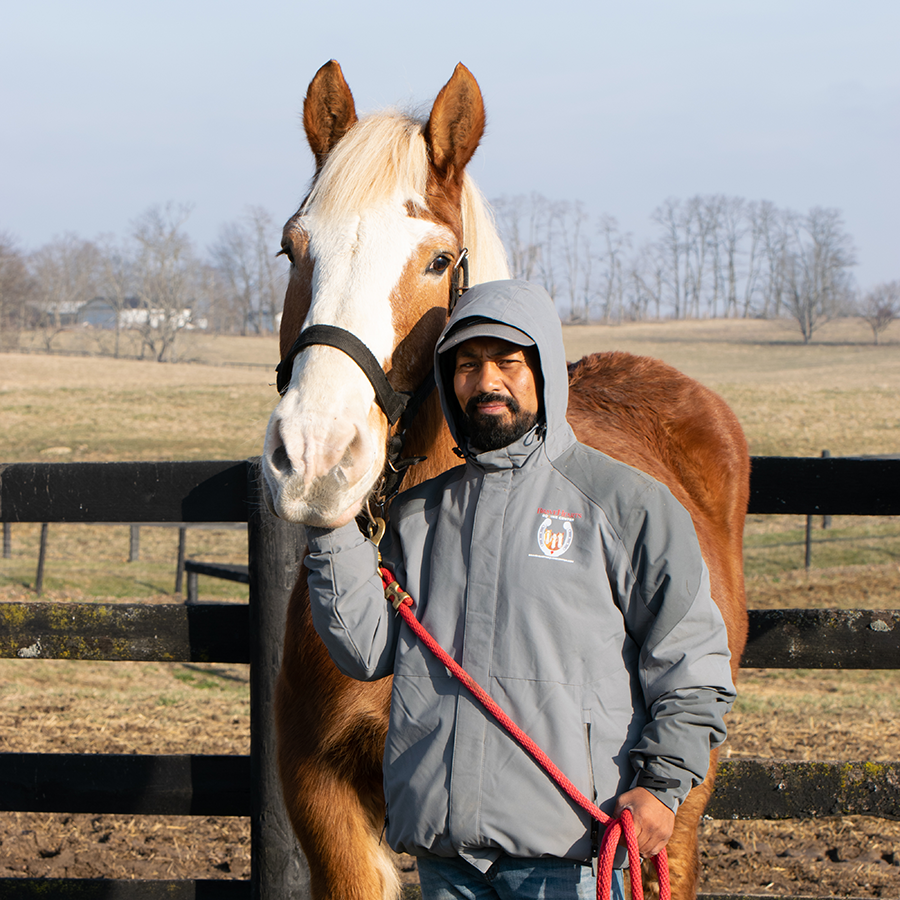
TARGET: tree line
(709,256)
(152,281)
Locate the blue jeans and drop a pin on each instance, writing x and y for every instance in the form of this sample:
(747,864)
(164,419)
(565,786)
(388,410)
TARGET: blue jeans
(511,879)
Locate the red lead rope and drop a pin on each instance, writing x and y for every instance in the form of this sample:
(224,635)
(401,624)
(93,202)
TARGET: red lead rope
(402,602)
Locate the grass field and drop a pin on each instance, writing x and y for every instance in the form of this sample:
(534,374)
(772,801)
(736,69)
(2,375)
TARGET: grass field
(840,393)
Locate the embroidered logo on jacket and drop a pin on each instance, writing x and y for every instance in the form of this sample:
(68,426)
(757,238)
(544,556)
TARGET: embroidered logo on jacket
(553,543)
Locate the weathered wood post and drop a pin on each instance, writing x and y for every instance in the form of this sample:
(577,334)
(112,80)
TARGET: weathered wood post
(179,567)
(134,543)
(42,558)
(278,870)
(826,519)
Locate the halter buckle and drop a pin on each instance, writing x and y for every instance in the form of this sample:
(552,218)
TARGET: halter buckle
(459,278)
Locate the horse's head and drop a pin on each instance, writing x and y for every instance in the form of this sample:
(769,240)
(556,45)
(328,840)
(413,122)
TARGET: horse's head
(372,250)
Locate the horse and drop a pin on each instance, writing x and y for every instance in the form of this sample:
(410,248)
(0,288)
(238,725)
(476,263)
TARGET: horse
(373,250)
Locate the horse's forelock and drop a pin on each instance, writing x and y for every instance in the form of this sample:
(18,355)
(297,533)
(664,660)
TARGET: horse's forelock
(381,159)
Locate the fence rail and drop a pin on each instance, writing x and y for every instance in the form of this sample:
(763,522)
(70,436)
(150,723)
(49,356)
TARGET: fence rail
(224,491)
(219,632)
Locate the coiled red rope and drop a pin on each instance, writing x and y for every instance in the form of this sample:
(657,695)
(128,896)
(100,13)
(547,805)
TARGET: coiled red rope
(615,828)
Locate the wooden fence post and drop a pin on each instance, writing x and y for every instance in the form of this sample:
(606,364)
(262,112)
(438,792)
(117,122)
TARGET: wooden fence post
(277,867)
(7,540)
(179,567)
(42,558)
(134,543)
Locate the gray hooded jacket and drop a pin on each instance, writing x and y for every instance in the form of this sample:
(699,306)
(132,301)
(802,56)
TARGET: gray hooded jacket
(571,587)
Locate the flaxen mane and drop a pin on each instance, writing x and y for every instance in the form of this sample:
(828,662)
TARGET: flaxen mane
(384,159)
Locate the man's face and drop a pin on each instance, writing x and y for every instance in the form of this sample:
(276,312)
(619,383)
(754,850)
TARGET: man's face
(497,386)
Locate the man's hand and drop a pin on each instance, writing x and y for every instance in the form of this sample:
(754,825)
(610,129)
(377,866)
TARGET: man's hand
(653,820)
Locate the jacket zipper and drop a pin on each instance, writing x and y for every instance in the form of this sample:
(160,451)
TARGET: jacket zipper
(595,825)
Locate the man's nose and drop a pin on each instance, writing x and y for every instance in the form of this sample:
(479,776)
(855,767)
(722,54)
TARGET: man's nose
(488,378)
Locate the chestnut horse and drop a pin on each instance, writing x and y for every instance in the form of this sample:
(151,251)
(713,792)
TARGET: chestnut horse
(372,249)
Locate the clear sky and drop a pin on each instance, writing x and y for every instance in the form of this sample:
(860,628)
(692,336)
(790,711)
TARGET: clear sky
(110,107)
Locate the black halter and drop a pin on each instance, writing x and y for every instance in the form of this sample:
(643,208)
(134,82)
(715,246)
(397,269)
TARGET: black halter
(396,405)
(392,402)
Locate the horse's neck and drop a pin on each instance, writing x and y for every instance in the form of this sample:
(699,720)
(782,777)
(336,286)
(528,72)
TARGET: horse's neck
(430,437)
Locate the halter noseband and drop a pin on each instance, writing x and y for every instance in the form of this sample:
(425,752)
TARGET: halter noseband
(396,405)
(392,402)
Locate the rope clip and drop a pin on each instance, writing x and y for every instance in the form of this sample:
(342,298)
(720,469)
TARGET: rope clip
(375,529)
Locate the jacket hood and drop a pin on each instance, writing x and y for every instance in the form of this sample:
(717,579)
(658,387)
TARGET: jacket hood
(530,309)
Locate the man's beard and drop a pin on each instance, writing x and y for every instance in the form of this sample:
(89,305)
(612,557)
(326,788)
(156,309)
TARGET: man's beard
(487,432)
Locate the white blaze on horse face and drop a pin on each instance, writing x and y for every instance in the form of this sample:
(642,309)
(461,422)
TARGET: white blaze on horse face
(325,445)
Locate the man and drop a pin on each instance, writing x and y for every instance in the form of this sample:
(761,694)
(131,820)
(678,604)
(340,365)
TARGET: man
(569,585)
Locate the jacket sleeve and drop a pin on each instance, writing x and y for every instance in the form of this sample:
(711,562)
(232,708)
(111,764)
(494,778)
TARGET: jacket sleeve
(346,598)
(684,658)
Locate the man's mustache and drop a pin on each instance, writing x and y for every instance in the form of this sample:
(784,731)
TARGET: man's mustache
(492,397)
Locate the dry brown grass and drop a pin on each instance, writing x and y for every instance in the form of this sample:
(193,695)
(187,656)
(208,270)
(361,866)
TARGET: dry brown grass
(89,563)
(94,409)
(839,393)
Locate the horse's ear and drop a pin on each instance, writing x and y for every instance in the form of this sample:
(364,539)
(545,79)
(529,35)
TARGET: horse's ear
(328,110)
(456,125)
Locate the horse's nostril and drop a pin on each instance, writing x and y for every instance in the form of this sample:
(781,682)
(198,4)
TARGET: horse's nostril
(281,461)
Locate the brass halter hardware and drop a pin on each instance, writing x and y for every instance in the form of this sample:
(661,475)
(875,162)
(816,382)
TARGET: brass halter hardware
(459,279)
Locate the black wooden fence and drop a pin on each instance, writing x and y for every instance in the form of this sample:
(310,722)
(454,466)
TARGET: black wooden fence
(248,786)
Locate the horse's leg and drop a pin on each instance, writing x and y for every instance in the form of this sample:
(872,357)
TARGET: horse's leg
(330,740)
(684,859)
(347,861)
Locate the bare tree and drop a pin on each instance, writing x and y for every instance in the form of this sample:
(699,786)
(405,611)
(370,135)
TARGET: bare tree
(165,274)
(15,290)
(699,229)
(646,281)
(117,279)
(518,221)
(611,290)
(575,252)
(232,257)
(245,255)
(669,218)
(757,216)
(548,216)
(817,266)
(774,236)
(66,276)
(880,306)
(733,230)
(213,307)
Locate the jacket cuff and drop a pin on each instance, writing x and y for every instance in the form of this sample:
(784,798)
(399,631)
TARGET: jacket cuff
(667,783)
(333,540)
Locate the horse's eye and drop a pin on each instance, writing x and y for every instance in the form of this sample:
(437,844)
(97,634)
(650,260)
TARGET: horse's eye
(286,251)
(440,264)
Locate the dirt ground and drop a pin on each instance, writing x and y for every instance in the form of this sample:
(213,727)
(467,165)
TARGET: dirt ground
(59,706)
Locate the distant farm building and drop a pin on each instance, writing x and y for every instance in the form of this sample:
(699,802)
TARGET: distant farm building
(100,313)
